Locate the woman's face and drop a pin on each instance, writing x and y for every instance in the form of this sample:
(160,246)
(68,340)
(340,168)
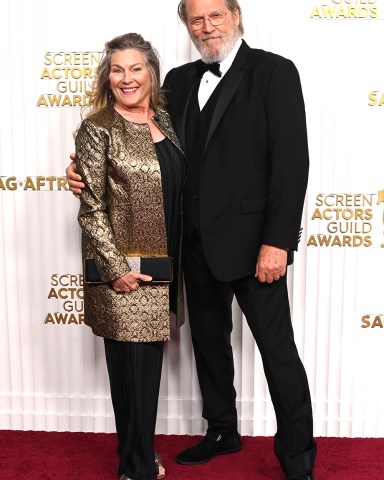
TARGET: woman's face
(130,79)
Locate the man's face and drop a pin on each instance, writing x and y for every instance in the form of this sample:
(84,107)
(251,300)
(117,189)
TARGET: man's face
(213,42)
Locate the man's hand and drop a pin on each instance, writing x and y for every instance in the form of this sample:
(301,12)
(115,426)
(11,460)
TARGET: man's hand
(130,281)
(74,180)
(271,263)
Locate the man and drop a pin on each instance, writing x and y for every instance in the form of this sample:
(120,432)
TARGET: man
(242,126)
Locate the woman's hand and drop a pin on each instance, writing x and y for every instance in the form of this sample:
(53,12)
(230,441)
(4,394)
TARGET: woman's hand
(130,281)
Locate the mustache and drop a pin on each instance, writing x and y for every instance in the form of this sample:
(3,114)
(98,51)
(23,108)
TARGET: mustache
(204,38)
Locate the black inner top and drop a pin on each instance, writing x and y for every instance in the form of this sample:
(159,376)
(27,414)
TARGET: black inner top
(173,171)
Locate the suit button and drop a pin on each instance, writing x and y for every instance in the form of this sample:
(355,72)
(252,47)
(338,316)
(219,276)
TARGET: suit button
(194,197)
(193,175)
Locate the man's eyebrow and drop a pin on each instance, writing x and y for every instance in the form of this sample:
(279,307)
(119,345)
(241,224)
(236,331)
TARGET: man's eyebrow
(195,17)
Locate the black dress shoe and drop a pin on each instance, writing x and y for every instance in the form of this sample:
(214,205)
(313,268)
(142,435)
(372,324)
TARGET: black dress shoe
(209,447)
(300,477)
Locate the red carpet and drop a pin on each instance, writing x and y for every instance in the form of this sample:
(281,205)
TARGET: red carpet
(88,456)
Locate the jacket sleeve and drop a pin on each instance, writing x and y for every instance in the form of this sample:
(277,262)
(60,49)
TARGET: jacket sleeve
(289,159)
(91,164)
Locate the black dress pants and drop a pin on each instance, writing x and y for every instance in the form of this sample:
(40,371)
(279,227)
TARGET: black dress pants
(266,307)
(134,371)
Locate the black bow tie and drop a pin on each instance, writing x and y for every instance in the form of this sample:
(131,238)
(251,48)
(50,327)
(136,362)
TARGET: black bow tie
(202,67)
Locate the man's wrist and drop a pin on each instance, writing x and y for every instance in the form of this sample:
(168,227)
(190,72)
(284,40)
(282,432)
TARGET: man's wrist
(278,246)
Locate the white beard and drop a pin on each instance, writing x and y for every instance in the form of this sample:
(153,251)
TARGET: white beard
(228,40)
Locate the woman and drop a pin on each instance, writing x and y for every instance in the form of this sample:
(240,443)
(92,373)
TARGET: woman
(131,162)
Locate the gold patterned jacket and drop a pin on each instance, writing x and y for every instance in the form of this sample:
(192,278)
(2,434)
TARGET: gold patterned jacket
(122,214)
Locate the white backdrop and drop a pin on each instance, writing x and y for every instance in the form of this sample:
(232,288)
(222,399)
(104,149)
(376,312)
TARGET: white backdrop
(52,369)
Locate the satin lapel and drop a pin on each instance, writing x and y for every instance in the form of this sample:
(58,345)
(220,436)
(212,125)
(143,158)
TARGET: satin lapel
(231,80)
(188,87)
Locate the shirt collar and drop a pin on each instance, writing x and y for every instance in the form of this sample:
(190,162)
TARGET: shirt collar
(225,65)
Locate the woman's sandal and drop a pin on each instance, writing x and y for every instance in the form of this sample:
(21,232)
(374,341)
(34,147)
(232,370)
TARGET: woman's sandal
(160,470)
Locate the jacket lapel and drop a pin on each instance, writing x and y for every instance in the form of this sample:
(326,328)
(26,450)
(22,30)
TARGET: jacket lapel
(163,122)
(189,87)
(231,80)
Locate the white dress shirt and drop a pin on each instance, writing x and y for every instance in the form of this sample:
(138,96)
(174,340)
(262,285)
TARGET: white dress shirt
(209,81)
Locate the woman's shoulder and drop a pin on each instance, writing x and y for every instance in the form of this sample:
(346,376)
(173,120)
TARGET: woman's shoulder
(97,125)
(103,119)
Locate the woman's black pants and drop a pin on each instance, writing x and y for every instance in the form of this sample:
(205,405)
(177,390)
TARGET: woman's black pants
(134,374)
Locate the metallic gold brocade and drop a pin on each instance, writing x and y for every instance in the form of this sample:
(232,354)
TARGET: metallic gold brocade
(122,214)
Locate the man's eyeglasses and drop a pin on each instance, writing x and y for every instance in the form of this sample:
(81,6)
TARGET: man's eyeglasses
(215,19)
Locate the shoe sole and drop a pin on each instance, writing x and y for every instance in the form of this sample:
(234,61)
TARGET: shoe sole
(225,452)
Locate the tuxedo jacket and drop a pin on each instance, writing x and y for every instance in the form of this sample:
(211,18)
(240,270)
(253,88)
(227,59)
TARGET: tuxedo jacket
(254,170)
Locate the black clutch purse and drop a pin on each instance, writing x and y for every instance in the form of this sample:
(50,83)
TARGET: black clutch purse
(159,268)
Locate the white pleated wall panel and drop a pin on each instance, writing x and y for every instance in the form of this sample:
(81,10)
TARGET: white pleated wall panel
(53,377)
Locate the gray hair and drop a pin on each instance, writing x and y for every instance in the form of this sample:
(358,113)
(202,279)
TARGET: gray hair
(232,6)
(101,94)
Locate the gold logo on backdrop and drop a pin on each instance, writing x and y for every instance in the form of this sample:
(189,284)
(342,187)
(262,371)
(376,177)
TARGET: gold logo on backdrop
(372,321)
(33,183)
(346,10)
(376,98)
(380,200)
(67,289)
(380,197)
(348,220)
(70,74)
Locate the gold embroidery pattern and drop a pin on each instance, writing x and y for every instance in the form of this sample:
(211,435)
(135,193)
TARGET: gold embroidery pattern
(122,214)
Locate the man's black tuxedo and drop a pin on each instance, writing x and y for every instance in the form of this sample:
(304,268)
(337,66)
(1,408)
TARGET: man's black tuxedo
(253,174)
(248,165)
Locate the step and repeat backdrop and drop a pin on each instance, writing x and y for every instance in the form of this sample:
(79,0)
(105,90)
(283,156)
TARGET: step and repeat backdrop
(52,368)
